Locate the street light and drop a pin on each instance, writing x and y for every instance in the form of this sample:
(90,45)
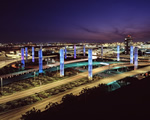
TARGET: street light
(1,85)
(34,75)
(109,68)
(57,70)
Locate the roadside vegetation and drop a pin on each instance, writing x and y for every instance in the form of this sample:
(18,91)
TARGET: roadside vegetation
(25,84)
(48,93)
(129,102)
(9,69)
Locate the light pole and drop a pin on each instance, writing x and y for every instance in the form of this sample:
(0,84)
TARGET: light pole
(1,85)
(109,68)
(57,70)
(34,75)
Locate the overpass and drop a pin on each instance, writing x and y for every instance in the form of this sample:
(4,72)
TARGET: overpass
(7,62)
(34,90)
(16,113)
(36,69)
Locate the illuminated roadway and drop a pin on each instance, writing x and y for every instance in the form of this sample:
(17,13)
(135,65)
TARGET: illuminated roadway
(7,62)
(16,113)
(36,69)
(34,90)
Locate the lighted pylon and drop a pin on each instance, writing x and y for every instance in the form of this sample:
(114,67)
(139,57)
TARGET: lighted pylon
(102,51)
(32,54)
(65,52)
(90,64)
(84,50)
(40,61)
(118,53)
(131,54)
(22,58)
(26,53)
(61,62)
(74,51)
(135,58)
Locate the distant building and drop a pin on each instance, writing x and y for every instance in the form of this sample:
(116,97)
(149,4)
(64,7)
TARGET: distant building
(127,43)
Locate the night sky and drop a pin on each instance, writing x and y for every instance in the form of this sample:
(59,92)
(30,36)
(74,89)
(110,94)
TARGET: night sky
(74,20)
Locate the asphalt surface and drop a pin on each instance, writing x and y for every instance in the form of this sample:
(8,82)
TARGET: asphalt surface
(15,114)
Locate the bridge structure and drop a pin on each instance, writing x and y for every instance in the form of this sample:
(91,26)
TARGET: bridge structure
(109,81)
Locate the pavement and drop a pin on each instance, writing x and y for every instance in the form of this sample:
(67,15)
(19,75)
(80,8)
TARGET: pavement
(35,69)
(7,62)
(15,114)
(34,90)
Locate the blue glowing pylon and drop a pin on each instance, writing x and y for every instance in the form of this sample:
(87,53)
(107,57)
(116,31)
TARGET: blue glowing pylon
(61,62)
(32,54)
(74,51)
(40,61)
(22,58)
(90,64)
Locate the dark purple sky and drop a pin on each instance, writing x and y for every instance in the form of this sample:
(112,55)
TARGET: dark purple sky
(74,20)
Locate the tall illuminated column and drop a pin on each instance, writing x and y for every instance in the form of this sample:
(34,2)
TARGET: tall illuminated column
(90,64)
(135,58)
(131,54)
(22,58)
(74,51)
(26,53)
(84,50)
(65,52)
(61,62)
(118,52)
(32,54)
(40,61)
(102,51)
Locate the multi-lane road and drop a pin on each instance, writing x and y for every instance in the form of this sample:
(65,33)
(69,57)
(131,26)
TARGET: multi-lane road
(31,91)
(36,69)
(16,113)
(7,62)
(34,90)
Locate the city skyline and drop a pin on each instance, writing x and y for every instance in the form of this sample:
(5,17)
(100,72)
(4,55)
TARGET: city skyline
(74,21)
